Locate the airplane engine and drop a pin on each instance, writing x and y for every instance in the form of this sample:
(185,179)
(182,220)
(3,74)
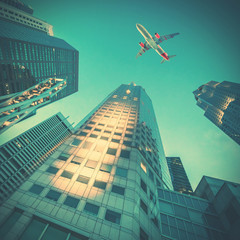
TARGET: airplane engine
(157,35)
(141,44)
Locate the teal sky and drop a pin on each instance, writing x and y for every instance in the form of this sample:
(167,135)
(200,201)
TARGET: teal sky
(104,32)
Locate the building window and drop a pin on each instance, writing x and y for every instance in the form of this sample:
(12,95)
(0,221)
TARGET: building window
(143,206)
(127,143)
(111,151)
(64,156)
(10,221)
(116,140)
(76,142)
(100,184)
(83,134)
(166,207)
(122,172)
(143,166)
(93,136)
(77,160)
(37,189)
(53,195)
(52,170)
(106,168)
(91,164)
(144,186)
(91,208)
(181,211)
(113,216)
(43,229)
(71,201)
(151,175)
(125,154)
(118,190)
(67,174)
(83,179)
(118,134)
(128,135)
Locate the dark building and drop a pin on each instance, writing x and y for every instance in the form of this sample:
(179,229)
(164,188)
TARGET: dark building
(29,54)
(21,156)
(225,197)
(18,5)
(221,105)
(178,175)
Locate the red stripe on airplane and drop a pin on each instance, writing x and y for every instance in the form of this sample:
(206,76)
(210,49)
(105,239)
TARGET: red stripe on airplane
(164,55)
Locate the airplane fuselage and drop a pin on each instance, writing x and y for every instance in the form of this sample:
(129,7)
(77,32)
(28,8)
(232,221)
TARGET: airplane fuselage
(151,41)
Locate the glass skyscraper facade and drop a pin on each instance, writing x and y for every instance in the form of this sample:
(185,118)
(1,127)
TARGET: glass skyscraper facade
(178,175)
(187,217)
(109,180)
(102,181)
(19,5)
(221,103)
(29,54)
(225,197)
(21,156)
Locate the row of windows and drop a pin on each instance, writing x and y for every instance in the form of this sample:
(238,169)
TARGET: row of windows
(185,200)
(26,20)
(89,207)
(39,229)
(122,172)
(23,157)
(189,214)
(125,97)
(184,230)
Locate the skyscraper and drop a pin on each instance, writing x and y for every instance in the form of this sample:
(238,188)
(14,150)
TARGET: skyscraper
(101,183)
(178,175)
(29,54)
(221,103)
(225,198)
(21,156)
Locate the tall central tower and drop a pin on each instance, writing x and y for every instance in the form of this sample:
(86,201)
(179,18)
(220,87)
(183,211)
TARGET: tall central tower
(102,182)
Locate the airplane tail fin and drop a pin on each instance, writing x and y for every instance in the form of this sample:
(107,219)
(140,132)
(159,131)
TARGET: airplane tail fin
(171,56)
(164,60)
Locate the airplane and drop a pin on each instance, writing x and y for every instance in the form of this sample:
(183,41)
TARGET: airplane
(153,42)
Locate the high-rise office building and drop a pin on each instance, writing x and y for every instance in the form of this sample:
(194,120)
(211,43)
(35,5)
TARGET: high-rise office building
(18,12)
(29,54)
(101,183)
(178,175)
(16,4)
(109,180)
(224,196)
(21,156)
(221,103)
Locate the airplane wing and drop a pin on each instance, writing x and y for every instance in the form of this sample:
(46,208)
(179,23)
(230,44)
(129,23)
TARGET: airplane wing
(143,50)
(165,37)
